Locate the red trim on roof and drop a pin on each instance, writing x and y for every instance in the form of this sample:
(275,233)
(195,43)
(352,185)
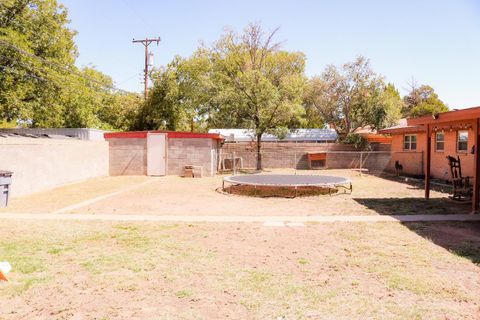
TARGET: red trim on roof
(449,116)
(170,134)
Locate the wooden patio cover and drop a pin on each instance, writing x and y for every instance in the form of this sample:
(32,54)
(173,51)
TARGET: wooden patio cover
(471,115)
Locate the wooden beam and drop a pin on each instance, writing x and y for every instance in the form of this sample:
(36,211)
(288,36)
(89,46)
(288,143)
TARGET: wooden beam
(476,168)
(449,116)
(428,156)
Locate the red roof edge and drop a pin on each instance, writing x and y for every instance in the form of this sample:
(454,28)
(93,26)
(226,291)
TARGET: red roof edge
(170,134)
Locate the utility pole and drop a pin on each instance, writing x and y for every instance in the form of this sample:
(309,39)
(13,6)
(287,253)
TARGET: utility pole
(146,42)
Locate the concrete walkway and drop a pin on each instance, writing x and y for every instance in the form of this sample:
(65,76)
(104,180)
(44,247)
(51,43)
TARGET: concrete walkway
(187,218)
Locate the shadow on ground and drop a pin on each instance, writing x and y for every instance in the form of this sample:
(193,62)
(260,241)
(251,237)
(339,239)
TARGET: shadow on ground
(408,206)
(417,182)
(460,238)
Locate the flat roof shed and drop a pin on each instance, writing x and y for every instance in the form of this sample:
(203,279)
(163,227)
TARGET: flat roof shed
(158,153)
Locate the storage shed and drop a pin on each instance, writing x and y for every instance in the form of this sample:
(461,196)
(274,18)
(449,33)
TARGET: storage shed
(158,153)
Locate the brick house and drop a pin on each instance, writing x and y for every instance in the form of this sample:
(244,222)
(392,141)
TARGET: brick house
(422,144)
(409,147)
(158,153)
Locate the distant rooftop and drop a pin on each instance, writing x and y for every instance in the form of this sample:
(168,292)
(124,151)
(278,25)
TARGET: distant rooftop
(54,133)
(402,126)
(297,135)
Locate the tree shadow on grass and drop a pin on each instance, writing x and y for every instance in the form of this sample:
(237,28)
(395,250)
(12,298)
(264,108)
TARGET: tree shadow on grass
(418,182)
(409,206)
(460,238)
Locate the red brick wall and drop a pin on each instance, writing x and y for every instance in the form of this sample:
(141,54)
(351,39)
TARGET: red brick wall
(413,161)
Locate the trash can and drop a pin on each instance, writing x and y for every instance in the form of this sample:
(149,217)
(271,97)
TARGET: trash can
(5,181)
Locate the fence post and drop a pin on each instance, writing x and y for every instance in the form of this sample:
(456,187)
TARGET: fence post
(295,161)
(361,162)
(234,167)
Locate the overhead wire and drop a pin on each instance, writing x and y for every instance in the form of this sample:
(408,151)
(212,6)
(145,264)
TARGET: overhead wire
(69,70)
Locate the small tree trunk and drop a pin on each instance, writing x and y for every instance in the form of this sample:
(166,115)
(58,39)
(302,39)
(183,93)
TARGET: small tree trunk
(259,153)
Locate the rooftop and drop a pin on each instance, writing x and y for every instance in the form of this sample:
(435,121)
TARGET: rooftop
(247,135)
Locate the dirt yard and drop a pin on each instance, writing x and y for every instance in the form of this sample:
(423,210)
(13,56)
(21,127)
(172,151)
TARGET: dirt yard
(173,195)
(88,270)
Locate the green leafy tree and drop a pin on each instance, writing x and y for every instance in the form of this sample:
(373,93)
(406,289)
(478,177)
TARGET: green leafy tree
(34,42)
(258,86)
(40,86)
(180,96)
(353,96)
(422,101)
(388,110)
(122,112)
(162,109)
(86,99)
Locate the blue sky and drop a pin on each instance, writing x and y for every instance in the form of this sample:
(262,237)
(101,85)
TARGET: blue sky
(435,42)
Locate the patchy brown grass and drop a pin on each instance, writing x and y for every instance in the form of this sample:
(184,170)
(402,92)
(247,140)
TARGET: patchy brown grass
(96,270)
(371,195)
(173,195)
(63,196)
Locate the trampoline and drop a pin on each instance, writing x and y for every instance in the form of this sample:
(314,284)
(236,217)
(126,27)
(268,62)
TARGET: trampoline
(290,180)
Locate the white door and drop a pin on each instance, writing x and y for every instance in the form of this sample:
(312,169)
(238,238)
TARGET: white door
(156,162)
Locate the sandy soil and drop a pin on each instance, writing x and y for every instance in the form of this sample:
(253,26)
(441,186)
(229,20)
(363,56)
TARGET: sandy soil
(60,197)
(67,270)
(371,196)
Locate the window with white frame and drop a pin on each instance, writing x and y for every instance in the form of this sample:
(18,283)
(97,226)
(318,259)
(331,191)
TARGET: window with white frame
(462,141)
(410,142)
(439,141)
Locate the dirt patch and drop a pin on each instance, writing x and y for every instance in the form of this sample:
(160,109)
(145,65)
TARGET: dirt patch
(58,198)
(173,195)
(92,270)
(280,192)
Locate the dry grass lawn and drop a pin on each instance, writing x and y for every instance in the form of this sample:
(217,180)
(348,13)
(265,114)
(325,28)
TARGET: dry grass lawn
(174,195)
(88,270)
(60,197)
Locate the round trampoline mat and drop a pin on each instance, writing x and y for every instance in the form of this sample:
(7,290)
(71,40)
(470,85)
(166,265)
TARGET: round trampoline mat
(287,180)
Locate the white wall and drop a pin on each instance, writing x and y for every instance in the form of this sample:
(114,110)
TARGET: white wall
(39,164)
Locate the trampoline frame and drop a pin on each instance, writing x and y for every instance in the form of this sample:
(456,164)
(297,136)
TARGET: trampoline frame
(346,184)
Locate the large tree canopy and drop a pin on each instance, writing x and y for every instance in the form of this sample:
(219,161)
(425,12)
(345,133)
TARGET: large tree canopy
(181,96)
(353,96)
(422,101)
(259,86)
(241,81)
(40,85)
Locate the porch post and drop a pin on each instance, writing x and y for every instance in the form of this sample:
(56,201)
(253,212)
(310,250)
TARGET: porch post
(427,161)
(476,168)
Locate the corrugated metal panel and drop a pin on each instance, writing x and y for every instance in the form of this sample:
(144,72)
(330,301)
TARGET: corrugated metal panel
(246,135)
(79,133)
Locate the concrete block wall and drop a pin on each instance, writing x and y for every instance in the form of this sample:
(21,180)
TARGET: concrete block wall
(40,164)
(294,155)
(193,151)
(128,156)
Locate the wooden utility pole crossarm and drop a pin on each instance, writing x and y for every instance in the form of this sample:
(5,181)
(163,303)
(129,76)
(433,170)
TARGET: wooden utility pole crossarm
(146,42)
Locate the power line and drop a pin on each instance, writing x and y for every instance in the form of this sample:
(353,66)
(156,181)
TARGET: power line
(130,78)
(16,71)
(72,72)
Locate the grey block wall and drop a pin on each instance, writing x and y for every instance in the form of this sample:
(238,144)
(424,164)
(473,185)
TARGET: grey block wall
(128,156)
(197,152)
